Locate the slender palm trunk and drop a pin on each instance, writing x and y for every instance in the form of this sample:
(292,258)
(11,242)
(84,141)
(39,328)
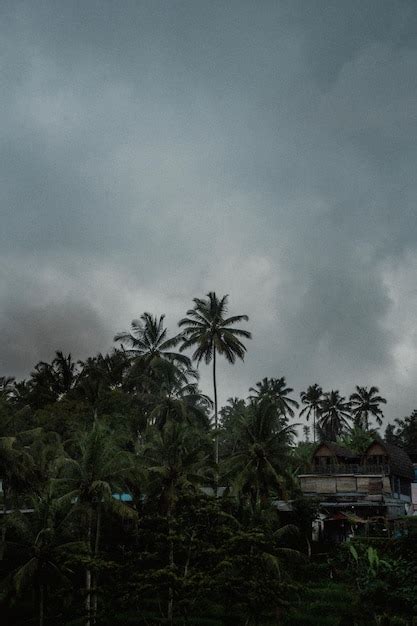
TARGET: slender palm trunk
(96,547)
(41,604)
(3,538)
(88,574)
(171,590)
(187,563)
(171,566)
(216,421)
(4,527)
(314,424)
(88,595)
(98,530)
(254,499)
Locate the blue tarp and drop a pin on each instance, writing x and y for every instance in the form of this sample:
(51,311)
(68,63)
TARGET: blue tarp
(123,497)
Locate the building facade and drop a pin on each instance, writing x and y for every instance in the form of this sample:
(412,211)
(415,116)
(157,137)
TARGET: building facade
(355,491)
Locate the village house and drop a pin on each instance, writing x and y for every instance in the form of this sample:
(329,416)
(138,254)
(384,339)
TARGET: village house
(355,491)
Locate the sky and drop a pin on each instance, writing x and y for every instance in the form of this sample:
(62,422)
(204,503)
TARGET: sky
(152,151)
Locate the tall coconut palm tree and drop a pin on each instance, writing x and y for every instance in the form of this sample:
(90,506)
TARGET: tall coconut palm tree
(65,373)
(13,464)
(43,544)
(89,478)
(166,392)
(231,415)
(149,339)
(275,390)
(199,405)
(101,374)
(231,411)
(258,466)
(17,473)
(334,414)
(177,459)
(365,403)
(405,433)
(211,332)
(185,403)
(42,385)
(50,381)
(312,399)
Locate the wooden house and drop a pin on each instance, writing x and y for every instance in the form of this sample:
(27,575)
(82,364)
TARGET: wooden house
(359,488)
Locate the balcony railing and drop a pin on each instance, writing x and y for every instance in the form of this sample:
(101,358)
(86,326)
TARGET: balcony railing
(373,470)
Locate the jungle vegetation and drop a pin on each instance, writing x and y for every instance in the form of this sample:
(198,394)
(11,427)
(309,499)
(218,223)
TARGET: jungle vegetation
(131,497)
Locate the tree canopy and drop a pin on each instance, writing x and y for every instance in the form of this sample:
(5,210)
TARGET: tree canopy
(129,497)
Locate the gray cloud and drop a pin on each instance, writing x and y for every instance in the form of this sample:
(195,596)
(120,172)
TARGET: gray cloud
(34,333)
(153,151)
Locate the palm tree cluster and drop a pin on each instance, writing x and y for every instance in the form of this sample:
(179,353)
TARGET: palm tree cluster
(128,496)
(109,469)
(334,415)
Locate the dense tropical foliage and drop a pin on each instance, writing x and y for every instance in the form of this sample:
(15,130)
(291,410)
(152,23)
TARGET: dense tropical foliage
(129,498)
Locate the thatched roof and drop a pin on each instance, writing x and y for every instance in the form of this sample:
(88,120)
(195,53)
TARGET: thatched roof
(339,451)
(399,460)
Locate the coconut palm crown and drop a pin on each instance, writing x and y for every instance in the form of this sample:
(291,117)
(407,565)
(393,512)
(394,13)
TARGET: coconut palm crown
(149,339)
(312,399)
(335,414)
(275,390)
(365,403)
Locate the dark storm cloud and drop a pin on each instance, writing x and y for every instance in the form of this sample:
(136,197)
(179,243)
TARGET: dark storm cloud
(34,333)
(151,151)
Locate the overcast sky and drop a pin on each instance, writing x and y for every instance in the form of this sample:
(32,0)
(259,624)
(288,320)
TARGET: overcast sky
(153,150)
